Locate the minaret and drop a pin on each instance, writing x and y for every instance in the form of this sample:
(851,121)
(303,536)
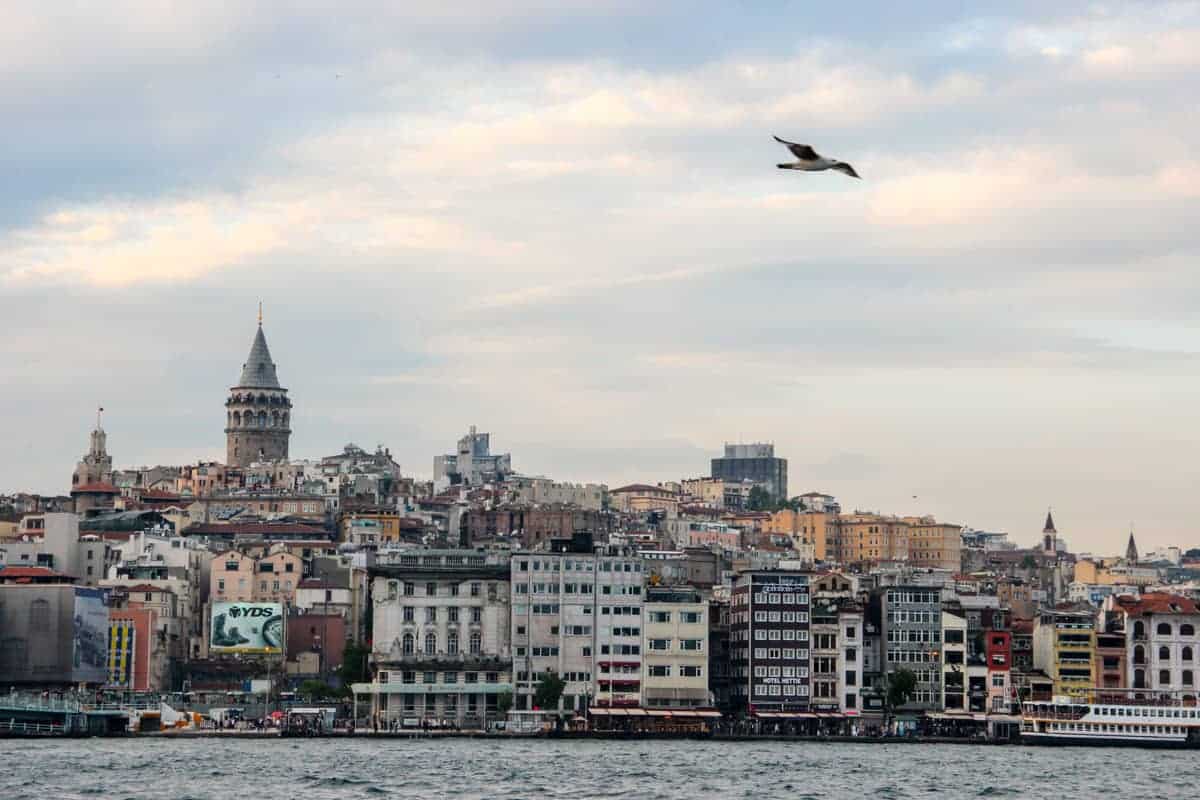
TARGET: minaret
(1049,534)
(1131,554)
(258,412)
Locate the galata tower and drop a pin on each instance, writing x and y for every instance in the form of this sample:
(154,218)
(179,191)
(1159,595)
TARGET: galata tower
(258,413)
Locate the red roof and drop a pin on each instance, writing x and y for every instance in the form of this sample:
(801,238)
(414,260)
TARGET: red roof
(1157,603)
(95,488)
(18,573)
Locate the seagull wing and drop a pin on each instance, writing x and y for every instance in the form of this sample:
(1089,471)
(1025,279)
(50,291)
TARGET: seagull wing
(843,167)
(801,151)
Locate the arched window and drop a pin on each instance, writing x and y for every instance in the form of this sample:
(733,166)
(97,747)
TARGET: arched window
(1187,677)
(1186,653)
(410,646)
(262,419)
(1164,677)
(452,643)
(1139,630)
(1164,629)
(237,419)
(285,419)
(1164,653)
(430,643)
(1186,629)
(275,419)
(1139,655)
(476,643)
(1139,679)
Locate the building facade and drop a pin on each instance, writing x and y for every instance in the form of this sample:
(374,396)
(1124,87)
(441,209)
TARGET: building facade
(769,640)
(755,463)
(675,649)
(441,648)
(911,618)
(578,613)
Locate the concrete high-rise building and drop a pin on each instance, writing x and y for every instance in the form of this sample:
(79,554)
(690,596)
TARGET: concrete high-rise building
(258,412)
(473,465)
(754,462)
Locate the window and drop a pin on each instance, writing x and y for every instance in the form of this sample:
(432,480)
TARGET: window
(1164,629)
(1186,653)
(430,677)
(453,611)
(1186,629)
(1164,676)
(410,589)
(660,671)
(660,644)
(851,678)
(660,616)
(409,646)
(688,671)
(690,617)
(1186,680)
(690,645)
(408,613)
(430,643)
(452,644)
(1164,653)
(220,585)
(476,615)
(476,644)
(431,614)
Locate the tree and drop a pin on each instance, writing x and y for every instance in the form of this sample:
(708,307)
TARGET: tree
(1028,562)
(901,685)
(315,690)
(504,702)
(549,690)
(354,663)
(760,499)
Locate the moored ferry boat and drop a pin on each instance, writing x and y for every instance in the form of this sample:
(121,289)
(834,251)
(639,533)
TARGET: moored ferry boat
(1111,720)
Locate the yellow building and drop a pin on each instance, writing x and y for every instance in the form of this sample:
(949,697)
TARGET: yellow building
(384,524)
(862,537)
(1112,571)
(1064,647)
(932,544)
(639,498)
(805,528)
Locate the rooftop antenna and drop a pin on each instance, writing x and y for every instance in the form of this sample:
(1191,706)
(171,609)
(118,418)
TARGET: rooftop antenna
(260,313)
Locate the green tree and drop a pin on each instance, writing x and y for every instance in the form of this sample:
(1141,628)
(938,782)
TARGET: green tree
(504,702)
(760,499)
(1028,562)
(549,690)
(355,660)
(901,685)
(314,690)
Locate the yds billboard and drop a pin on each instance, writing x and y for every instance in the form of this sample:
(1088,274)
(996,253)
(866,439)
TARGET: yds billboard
(247,628)
(122,639)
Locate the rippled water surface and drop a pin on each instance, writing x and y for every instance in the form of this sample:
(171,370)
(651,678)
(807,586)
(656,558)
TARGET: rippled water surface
(318,769)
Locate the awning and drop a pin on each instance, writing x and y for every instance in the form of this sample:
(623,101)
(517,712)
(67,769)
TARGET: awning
(636,712)
(684,714)
(709,714)
(651,712)
(599,712)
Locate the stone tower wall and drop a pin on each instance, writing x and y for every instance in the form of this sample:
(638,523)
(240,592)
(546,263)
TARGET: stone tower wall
(257,426)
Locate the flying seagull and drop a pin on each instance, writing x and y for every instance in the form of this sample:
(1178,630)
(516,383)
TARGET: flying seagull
(811,161)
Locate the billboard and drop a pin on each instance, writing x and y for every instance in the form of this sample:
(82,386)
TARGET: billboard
(90,637)
(121,642)
(246,628)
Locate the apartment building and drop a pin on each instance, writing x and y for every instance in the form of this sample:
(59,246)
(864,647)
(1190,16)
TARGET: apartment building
(577,612)
(911,624)
(1064,647)
(675,650)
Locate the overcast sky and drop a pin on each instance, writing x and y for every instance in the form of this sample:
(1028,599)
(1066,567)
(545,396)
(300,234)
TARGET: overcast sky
(562,222)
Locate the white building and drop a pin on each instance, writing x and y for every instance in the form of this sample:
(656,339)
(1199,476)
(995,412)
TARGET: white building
(1161,641)
(441,638)
(578,614)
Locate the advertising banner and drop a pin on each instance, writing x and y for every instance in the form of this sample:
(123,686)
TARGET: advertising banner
(246,628)
(90,644)
(120,654)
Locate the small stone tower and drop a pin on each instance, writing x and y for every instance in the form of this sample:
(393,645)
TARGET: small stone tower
(258,413)
(96,465)
(1049,534)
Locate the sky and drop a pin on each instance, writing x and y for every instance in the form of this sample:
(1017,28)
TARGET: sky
(562,222)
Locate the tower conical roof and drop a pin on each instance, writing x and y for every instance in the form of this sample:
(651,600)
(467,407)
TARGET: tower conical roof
(1049,524)
(259,370)
(1131,554)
